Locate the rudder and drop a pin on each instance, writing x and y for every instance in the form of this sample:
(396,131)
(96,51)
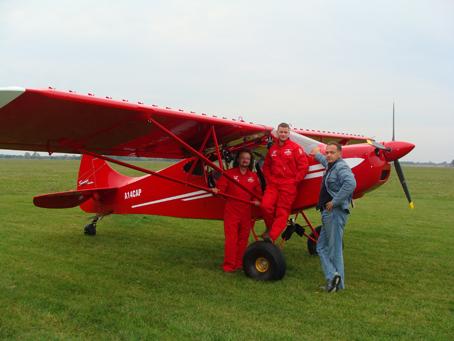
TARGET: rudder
(97,173)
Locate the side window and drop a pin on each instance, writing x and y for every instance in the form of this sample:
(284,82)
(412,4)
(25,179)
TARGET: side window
(198,170)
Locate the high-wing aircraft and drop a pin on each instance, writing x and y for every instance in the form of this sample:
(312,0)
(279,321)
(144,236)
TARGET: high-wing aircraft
(54,121)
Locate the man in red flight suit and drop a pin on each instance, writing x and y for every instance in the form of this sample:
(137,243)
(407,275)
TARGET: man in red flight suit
(238,214)
(285,166)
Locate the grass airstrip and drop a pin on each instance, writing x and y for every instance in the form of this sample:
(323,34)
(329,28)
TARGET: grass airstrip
(149,277)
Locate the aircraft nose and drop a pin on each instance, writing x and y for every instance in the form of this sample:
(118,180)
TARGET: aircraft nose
(397,150)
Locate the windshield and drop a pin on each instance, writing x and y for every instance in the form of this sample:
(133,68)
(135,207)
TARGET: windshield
(305,142)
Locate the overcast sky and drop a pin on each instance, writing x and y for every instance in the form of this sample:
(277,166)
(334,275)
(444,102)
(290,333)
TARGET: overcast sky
(329,65)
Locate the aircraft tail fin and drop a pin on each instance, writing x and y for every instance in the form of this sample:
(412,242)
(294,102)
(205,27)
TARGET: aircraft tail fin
(97,173)
(96,180)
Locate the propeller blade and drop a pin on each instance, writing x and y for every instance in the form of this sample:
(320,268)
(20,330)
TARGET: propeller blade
(401,176)
(394,135)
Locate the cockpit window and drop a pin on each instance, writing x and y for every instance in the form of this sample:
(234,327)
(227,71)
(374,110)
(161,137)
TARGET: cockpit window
(198,170)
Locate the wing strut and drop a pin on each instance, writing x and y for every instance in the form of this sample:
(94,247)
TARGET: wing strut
(200,155)
(202,147)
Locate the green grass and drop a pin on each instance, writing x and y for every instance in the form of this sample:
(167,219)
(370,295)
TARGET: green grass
(149,277)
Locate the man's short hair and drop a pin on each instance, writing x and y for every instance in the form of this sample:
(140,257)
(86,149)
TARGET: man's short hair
(245,150)
(338,145)
(283,125)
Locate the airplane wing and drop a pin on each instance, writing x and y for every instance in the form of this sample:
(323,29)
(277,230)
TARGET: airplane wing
(48,120)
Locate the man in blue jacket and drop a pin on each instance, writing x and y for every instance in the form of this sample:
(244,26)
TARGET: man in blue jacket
(336,193)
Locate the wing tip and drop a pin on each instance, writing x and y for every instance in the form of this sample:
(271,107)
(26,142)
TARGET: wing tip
(9,94)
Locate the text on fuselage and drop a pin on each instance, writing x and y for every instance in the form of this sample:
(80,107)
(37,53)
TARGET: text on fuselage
(135,193)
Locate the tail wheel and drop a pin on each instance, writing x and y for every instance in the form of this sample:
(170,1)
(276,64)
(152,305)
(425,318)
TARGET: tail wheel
(264,261)
(90,229)
(311,245)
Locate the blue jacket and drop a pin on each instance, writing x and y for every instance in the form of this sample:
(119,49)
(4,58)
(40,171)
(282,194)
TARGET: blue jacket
(340,182)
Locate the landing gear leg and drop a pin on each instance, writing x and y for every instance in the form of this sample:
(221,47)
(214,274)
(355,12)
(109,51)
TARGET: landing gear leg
(90,229)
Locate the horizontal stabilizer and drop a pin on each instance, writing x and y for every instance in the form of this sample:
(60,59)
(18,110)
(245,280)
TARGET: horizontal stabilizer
(69,199)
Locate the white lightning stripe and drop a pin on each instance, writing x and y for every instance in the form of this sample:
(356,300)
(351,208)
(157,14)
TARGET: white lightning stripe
(314,175)
(169,199)
(198,197)
(351,162)
(315,167)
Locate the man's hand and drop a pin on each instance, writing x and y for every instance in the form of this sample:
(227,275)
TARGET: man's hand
(215,190)
(315,150)
(329,205)
(256,203)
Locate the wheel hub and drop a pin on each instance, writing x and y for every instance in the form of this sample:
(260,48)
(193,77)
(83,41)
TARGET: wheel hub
(262,264)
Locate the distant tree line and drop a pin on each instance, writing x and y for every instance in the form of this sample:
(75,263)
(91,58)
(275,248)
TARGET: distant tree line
(428,164)
(38,156)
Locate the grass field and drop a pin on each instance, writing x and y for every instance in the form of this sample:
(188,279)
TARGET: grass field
(148,277)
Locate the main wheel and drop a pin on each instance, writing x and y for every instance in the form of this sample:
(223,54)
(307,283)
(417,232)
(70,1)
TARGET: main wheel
(311,245)
(264,261)
(90,229)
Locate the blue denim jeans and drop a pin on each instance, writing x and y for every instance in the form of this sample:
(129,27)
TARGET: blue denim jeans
(329,244)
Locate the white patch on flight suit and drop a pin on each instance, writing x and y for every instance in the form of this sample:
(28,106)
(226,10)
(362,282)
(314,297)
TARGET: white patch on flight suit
(288,152)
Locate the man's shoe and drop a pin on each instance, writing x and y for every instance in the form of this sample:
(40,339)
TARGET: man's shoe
(328,287)
(336,279)
(229,271)
(334,284)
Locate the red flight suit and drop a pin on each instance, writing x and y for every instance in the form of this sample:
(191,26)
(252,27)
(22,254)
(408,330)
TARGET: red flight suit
(237,216)
(285,166)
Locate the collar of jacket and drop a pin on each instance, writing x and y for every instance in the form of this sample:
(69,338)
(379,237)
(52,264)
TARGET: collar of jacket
(331,165)
(285,144)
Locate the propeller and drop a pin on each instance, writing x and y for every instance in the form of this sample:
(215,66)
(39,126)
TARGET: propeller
(401,176)
(397,166)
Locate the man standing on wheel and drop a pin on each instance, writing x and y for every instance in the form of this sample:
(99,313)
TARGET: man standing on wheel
(285,166)
(336,193)
(237,214)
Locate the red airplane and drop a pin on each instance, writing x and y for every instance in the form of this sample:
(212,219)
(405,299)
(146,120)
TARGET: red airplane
(52,121)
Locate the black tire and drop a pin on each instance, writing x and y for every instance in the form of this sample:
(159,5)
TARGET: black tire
(311,245)
(90,230)
(264,261)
